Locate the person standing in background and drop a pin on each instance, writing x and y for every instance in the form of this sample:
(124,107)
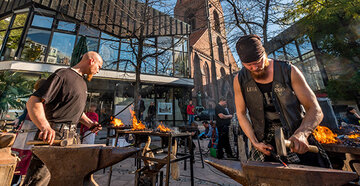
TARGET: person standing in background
(190,110)
(84,130)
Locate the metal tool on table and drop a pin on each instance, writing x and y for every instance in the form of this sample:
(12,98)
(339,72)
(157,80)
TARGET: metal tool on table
(282,143)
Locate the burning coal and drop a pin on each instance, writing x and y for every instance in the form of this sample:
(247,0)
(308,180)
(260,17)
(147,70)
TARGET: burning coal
(116,122)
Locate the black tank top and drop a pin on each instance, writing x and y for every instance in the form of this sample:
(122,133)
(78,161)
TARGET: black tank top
(272,117)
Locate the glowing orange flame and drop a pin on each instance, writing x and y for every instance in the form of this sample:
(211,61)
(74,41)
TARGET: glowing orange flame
(137,125)
(162,128)
(116,122)
(324,135)
(353,136)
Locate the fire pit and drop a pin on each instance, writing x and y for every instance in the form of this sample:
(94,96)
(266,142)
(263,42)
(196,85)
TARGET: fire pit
(341,144)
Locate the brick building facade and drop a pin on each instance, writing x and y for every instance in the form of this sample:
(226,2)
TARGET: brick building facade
(212,63)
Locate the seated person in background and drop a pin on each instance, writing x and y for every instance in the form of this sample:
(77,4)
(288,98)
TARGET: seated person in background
(352,116)
(213,134)
(204,134)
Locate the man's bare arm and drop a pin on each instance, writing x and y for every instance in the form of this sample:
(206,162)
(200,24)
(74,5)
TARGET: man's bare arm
(244,122)
(36,112)
(313,115)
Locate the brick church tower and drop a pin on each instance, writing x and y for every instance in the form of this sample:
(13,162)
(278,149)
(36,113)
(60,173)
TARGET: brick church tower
(212,63)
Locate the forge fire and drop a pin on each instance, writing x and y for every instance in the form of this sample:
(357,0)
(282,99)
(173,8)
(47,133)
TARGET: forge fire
(347,135)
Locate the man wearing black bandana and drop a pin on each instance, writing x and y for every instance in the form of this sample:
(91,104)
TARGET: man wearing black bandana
(275,94)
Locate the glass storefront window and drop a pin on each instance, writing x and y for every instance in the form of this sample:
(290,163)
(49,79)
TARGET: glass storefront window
(165,63)
(4,23)
(61,49)
(88,31)
(271,56)
(291,52)
(178,44)
(20,20)
(42,21)
(180,65)
(92,43)
(127,57)
(35,45)
(148,66)
(304,45)
(280,55)
(12,44)
(62,25)
(164,42)
(150,42)
(109,52)
(107,36)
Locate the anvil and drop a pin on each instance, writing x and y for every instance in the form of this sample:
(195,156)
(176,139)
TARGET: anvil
(75,164)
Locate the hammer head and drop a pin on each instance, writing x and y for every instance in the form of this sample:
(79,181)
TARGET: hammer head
(280,142)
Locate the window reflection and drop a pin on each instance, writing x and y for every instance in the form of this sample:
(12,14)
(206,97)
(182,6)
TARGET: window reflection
(165,65)
(304,45)
(42,21)
(61,49)
(271,56)
(4,23)
(12,44)
(35,45)
(109,52)
(164,42)
(88,31)
(107,36)
(20,20)
(92,43)
(148,66)
(180,65)
(291,52)
(62,25)
(127,57)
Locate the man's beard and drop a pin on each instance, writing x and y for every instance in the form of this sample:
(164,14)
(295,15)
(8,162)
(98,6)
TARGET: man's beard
(89,77)
(262,73)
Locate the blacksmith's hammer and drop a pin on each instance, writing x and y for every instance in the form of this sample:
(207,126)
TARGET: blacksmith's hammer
(282,143)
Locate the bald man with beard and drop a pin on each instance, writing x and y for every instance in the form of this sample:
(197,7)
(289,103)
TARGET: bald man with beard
(58,105)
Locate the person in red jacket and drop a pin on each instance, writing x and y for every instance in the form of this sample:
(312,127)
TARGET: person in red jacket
(190,110)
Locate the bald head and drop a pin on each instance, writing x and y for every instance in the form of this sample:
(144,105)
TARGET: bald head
(90,64)
(91,55)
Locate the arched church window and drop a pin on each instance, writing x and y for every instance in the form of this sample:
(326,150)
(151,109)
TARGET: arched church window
(217,22)
(220,49)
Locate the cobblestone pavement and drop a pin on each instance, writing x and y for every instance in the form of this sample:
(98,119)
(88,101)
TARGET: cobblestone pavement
(123,172)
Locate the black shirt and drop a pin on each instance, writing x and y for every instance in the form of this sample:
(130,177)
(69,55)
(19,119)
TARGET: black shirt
(64,94)
(221,122)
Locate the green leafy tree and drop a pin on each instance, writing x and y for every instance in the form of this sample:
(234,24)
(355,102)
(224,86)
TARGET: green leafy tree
(13,86)
(345,88)
(334,24)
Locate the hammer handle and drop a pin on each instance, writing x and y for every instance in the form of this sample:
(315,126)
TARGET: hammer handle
(37,142)
(312,148)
